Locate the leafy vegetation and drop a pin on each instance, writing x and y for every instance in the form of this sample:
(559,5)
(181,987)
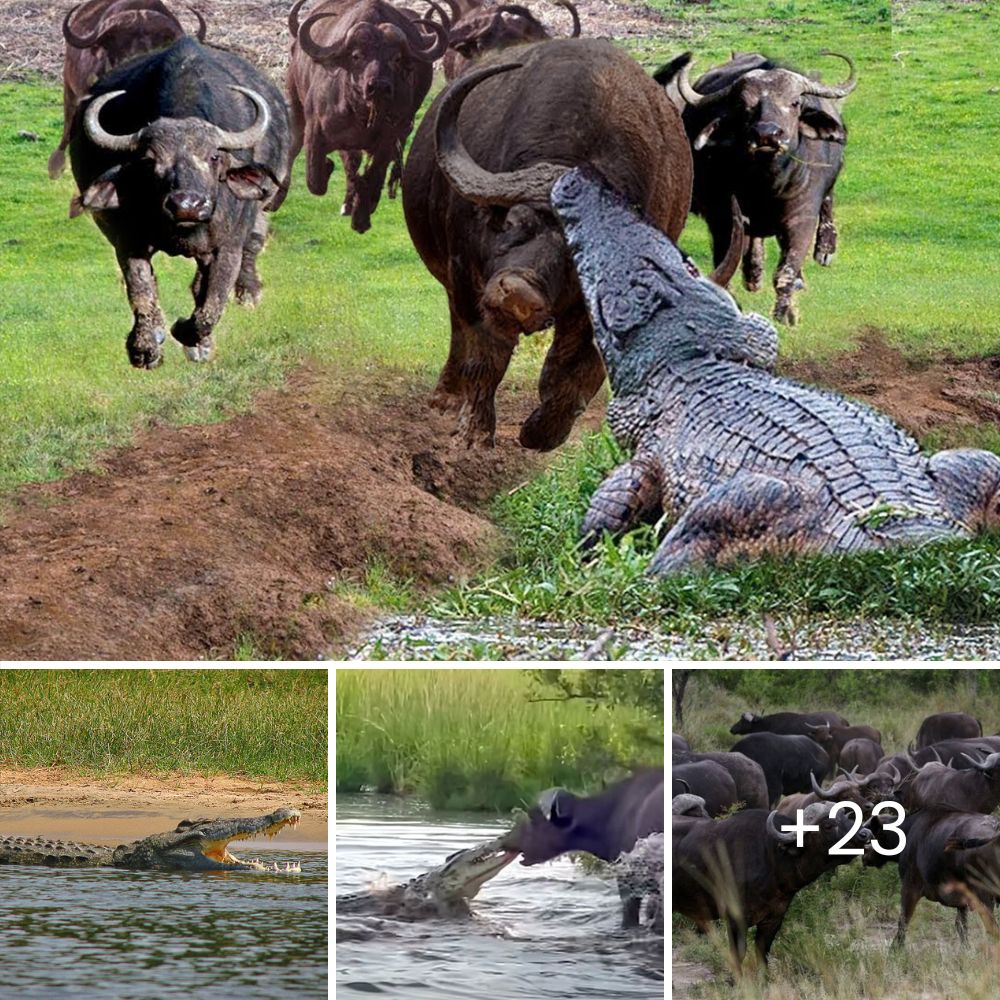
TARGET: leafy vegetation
(482,739)
(836,935)
(259,723)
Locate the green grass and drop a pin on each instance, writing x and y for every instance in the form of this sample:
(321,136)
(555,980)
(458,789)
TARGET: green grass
(260,723)
(834,942)
(470,739)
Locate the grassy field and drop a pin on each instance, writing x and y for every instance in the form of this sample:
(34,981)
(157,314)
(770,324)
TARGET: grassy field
(835,939)
(259,723)
(472,739)
(918,219)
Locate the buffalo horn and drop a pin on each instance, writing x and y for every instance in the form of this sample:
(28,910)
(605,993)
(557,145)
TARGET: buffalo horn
(202,26)
(530,184)
(723,274)
(822,793)
(991,762)
(312,48)
(547,801)
(431,50)
(773,831)
(78,41)
(96,133)
(687,787)
(293,17)
(573,13)
(249,136)
(696,100)
(833,92)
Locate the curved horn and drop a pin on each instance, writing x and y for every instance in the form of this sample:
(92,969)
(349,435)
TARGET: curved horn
(313,49)
(202,26)
(687,787)
(531,184)
(918,767)
(823,794)
(546,801)
(437,47)
(896,776)
(293,17)
(984,765)
(818,89)
(249,136)
(573,13)
(96,133)
(773,831)
(78,41)
(723,274)
(749,716)
(441,12)
(696,100)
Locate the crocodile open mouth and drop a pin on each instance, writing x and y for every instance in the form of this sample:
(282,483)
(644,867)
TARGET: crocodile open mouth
(217,848)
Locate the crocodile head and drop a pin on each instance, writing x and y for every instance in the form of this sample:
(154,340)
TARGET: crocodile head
(647,301)
(202,845)
(464,873)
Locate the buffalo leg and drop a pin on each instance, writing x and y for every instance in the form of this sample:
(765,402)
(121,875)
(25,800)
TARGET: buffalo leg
(149,330)
(962,925)
(909,897)
(794,244)
(483,368)
(447,393)
(369,192)
(571,375)
(213,288)
(351,160)
(767,931)
(248,286)
(737,941)
(826,234)
(297,128)
(318,165)
(753,264)
(57,161)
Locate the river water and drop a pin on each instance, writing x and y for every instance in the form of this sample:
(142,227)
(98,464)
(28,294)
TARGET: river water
(107,933)
(546,931)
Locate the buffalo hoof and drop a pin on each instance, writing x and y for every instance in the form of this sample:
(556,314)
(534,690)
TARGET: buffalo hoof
(475,431)
(248,294)
(752,284)
(541,432)
(361,222)
(146,350)
(785,312)
(200,352)
(824,257)
(444,401)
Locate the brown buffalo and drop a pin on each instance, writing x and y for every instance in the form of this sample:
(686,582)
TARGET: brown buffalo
(102,34)
(359,71)
(490,28)
(475,196)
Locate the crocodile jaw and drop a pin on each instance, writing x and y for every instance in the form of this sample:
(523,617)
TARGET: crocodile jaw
(219,858)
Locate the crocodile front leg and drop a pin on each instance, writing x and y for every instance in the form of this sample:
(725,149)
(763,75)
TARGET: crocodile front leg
(631,495)
(750,515)
(967,481)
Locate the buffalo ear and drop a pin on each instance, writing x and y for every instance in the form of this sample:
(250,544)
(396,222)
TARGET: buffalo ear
(100,195)
(814,123)
(251,181)
(701,140)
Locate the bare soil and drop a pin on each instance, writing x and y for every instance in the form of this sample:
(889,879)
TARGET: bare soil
(197,536)
(58,804)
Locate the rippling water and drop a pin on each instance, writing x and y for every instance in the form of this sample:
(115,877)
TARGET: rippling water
(109,933)
(546,931)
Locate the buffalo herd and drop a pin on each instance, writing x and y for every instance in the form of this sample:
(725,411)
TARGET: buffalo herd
(736,858)
(181,146)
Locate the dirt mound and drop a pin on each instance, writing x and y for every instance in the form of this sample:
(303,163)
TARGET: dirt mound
(921,394)
(31,39)
(197,536)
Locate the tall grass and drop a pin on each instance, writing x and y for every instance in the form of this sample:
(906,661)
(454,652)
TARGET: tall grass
(259,723)
(471,739)
(835,939)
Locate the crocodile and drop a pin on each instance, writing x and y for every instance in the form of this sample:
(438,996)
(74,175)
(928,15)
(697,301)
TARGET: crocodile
(199,845)
(444,891)
(743,462)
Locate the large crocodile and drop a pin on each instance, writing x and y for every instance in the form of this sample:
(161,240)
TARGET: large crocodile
(444,891)
(744,462)
(199,845)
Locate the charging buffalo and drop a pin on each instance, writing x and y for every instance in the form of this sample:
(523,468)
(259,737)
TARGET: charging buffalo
(178,151)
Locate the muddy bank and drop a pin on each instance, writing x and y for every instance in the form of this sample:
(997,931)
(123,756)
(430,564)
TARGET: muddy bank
(56,803)
(197,537)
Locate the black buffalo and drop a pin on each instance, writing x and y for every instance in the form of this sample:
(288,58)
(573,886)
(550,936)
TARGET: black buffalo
(833,738)
(178,151)
(788,762)
(947,726)
(679,743)
(975,788)
(774,139)
(785,723)
(709,780)
(863,754)
(605,825)
(746,869)
(950,857)
(751,785)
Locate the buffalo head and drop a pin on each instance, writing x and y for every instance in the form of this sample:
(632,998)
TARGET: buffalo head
(554,827)
(769,110)
(129,28)
(183,160)
(745,724)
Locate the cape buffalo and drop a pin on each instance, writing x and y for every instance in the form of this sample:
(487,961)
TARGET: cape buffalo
(751,785)
(785,723)
(101,34)
(938,786)
(178,151)
(606,825)
(489,29)
(787,761)
(947,726)
(709,780)
(833,738)
(358,72)
(863,754)
(475,196)
(679,743)
(775,139)
(746,869)
(950,857)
